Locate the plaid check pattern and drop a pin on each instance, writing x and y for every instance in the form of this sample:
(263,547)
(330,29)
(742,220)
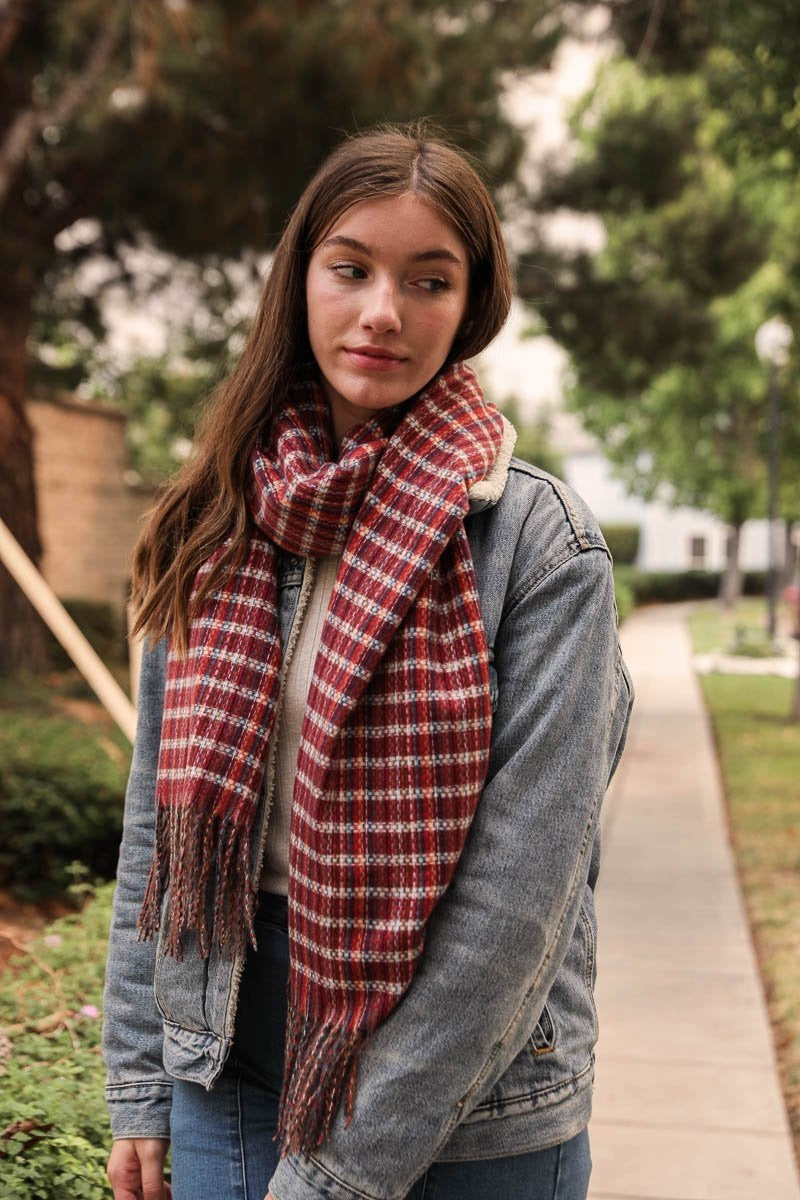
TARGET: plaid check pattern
(395,740)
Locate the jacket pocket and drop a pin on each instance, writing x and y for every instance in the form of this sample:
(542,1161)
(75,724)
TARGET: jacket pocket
(543,1038)
(179,986)
(588,926)
(556,1059)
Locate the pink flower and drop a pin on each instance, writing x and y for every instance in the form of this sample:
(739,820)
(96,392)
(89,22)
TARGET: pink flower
(52,939)
(90,1010)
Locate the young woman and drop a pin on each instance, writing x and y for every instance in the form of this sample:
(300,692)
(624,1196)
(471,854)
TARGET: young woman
(353,944)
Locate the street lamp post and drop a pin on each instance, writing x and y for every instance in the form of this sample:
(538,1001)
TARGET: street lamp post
(773,340)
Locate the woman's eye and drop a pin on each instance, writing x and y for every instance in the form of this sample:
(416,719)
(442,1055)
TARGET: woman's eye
(348,270)
(434,285)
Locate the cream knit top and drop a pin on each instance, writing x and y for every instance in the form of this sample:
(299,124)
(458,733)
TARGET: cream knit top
(275,872)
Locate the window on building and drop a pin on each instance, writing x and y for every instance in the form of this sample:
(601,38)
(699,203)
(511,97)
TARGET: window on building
(697,553)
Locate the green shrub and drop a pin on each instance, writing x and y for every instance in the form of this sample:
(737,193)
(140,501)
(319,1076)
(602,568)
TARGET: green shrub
(624,597)
(102,627)
(752,643)
(623,543)
(61,796)
(754,583)
(54,1136)
(651,587)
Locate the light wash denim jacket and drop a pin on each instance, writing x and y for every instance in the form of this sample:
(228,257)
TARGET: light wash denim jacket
(490,1051)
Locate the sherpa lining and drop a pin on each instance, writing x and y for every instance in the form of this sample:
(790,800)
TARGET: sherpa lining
(490,489)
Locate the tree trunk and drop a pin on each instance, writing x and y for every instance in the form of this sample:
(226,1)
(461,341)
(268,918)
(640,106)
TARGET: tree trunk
(791,552)
(23,643)
(731,583)
(793,557)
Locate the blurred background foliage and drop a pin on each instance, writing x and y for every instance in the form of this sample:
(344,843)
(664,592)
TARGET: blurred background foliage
(687,149)
(153,148)
(208,120)
(187,128)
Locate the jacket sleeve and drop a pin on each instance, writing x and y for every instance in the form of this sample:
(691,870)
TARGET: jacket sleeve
(496,939)
(138,1089)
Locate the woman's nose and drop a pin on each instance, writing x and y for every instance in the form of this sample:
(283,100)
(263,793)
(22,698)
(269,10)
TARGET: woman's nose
(381,309)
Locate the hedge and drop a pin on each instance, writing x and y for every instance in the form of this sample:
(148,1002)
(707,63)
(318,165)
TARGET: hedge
(54,1136)
(649,587)
(62,786)
(622,542)
(624,597)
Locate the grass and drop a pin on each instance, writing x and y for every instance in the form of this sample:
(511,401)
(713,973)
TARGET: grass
(759,753)
(713,629)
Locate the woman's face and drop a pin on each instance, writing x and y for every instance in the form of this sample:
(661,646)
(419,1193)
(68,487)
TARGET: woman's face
(386,291)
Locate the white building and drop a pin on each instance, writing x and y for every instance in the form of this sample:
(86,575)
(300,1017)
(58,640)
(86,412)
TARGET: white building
(671,539)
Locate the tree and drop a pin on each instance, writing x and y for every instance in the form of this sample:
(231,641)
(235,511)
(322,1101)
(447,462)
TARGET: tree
(196,320)
(700,217)
(534,441)
(194,124)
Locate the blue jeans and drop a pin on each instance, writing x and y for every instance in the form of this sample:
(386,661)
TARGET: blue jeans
(222,1140)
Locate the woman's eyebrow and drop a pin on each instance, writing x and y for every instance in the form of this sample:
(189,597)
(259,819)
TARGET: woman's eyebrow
(339,239)
(430,255)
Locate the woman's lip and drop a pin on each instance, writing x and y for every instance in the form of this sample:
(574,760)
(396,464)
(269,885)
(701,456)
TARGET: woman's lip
(372,360)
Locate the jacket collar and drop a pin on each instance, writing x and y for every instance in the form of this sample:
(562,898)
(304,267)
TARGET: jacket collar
(486,492)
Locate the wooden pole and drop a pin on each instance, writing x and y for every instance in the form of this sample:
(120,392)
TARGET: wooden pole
(52,611)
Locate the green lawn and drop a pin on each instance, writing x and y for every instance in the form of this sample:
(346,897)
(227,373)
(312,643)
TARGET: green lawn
(713,629)
(759,752)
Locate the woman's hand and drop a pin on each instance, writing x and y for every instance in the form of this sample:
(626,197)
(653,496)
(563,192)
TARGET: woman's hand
(136,1169)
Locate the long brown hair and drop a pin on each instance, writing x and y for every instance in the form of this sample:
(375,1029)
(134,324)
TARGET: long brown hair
(206,500)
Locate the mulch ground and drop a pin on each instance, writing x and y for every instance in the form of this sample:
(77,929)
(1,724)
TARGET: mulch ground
(21,922)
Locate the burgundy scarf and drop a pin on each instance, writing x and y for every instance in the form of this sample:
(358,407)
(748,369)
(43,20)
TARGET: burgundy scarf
(395,739)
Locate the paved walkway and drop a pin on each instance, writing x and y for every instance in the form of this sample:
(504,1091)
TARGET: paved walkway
(687,1104)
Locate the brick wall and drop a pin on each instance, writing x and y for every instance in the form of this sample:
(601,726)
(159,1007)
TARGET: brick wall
(88,515)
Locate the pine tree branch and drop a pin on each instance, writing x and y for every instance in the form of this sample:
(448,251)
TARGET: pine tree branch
(29,124)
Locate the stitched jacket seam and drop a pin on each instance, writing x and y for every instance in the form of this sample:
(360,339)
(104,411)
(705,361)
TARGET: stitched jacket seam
(154,1085)
(340,1182)
(578,527)
(534,1093)
(538,576)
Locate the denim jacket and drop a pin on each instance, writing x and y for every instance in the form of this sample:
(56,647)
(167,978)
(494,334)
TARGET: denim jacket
(490,1051)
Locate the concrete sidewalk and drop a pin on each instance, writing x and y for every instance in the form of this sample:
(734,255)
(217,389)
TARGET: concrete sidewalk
(687,1104)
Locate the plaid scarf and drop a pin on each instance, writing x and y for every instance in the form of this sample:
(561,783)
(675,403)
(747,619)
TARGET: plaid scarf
(395,739)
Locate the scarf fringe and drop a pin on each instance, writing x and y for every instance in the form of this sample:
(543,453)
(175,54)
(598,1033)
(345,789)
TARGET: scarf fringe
(201,865)
(320,1072)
